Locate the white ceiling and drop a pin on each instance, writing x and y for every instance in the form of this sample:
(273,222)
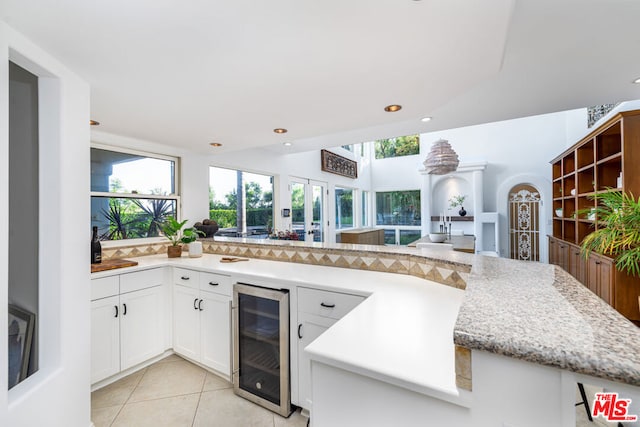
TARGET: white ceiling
(187,73)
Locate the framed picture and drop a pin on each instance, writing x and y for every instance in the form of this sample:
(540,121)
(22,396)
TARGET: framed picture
(339,165)
(21,324)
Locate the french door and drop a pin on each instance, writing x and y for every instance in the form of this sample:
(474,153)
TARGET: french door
(308,209)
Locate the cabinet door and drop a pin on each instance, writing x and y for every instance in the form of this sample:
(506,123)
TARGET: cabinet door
(605,280)
(309,328)
(186,321)
(553,251)
(105,338)
(215,331)
(592,273)
(141,331)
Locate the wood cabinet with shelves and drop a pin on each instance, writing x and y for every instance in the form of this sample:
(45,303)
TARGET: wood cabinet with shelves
(603,160)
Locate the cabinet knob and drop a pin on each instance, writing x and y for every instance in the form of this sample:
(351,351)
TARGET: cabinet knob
(185,277)
(213,283)
(327,305)
(300,331)
(116,307)
(200,305)
(597,262)
(195,301)
(124,311)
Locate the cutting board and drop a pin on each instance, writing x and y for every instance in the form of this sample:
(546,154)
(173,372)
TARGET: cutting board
(112,264)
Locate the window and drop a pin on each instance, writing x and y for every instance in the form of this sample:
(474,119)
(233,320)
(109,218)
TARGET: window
(241,202)
(398,212)
(131,193)
(364,208)
(344,208)
(396,147)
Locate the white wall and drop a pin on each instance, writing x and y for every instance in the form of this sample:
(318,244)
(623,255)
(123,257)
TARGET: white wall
(58,394)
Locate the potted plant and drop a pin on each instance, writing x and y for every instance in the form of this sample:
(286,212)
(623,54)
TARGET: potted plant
(618,235)
(458,201)
(171,230)
(189,237)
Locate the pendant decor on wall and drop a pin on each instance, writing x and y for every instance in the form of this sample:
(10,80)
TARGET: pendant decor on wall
(441,160)
(524,233)
(339,165)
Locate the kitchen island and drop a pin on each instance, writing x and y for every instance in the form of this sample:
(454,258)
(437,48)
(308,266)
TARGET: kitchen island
(551,329)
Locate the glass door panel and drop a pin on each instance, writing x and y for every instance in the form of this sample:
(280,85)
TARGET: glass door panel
(308,209)
(317,214)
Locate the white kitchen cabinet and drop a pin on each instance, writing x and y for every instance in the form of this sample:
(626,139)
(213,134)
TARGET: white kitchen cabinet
(202,318)
(105,338)
(317,311)
(186,321)
(141,334)
(127,328)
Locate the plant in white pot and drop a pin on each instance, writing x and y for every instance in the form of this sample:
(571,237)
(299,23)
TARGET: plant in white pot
(189,237)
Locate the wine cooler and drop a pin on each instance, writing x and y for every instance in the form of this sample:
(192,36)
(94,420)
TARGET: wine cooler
(261,346)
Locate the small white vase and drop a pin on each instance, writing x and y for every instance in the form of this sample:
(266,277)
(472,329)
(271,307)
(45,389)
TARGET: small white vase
(195,249)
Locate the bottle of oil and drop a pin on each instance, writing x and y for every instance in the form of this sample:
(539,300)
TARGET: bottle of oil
(96,248)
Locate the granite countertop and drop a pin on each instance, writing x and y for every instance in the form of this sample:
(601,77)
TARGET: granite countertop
(539,313)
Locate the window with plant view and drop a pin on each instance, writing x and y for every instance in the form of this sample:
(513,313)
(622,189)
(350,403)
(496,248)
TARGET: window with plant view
(131,193)
(344,207)
(241,202)
(398,212)
(398,146)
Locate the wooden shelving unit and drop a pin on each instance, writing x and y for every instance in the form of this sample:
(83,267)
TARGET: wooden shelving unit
(591,167)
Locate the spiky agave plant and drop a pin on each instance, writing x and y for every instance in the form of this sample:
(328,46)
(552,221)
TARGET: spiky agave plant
(618,234)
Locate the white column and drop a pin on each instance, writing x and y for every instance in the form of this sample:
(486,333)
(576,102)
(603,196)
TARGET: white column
(425,204)
(478,206)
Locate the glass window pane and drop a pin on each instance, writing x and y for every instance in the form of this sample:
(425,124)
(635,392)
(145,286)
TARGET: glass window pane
(241,202)
(344,208)
(120,218)
(116,172)
(398,207)
(396,147)
(408,236)
(364,208)
(389,236)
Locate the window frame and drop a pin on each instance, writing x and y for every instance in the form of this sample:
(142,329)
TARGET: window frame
(175,196)
(354,209)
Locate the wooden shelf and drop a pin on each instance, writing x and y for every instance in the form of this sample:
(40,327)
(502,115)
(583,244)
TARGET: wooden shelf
(592,167)
(455,218)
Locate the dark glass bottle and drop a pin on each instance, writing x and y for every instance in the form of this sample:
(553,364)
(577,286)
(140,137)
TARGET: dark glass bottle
(96,248)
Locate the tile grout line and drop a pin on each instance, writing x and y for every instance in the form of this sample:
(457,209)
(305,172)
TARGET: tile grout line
(144,371)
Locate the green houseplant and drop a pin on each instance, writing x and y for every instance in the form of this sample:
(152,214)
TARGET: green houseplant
(189,237)
(618,234)
(171,230)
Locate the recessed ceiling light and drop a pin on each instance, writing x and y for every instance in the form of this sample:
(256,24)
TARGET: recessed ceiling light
(215,144)
(426,119)
(637,80)
(94,123)
(287,144)
(280,130)
(392,108)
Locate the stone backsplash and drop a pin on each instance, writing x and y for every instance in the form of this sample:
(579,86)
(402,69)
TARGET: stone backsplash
(447,273)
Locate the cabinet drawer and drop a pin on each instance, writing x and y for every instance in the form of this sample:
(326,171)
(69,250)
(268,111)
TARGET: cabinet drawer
(140,280)
(217,283)
(327,304)
(185,277)
(105,287)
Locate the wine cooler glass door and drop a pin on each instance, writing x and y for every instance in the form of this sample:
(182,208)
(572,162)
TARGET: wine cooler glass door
(261,339)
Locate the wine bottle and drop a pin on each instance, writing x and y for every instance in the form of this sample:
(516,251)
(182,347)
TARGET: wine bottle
(96,248)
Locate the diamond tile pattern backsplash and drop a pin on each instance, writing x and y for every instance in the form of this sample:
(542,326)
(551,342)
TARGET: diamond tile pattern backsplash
(450,274)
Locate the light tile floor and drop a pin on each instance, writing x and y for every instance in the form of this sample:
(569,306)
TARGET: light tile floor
(174,393)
